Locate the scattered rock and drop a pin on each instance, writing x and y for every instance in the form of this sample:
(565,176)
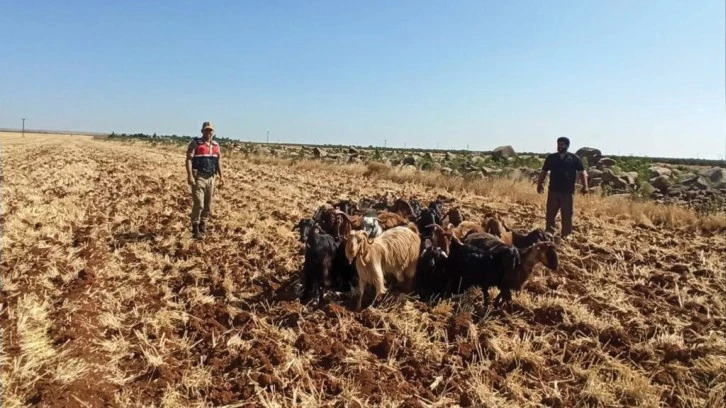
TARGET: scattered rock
(676,190)
(318,152)
(696,183)
(592,155)
(448,156)
(594,173)
(661,183)
(503,152)
(716,174)
(656,171)
(262,151)
(446,170)
(605,162)
(515,174)
(412,160)
(354,159)
(608,176)
(353,150)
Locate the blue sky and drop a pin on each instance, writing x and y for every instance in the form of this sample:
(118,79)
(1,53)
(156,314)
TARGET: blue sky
(630,77)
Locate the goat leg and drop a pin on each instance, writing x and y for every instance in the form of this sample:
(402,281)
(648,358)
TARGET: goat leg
(359,296)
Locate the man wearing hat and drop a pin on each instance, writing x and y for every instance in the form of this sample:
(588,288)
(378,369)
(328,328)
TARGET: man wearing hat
(564,168)
(204,165)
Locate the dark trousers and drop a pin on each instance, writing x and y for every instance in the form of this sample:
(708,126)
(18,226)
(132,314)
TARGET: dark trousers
(563,203)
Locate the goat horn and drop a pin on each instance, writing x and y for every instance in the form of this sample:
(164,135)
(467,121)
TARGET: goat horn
(344,215)
(436,226)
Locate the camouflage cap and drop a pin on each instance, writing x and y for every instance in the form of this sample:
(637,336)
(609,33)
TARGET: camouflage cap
(207,125)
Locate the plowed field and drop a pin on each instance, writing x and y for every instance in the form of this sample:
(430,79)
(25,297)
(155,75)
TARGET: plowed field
(107,301)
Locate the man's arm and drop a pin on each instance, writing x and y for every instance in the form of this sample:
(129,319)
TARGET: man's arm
(188,161)
(219,167)
(543,174)
(582,175)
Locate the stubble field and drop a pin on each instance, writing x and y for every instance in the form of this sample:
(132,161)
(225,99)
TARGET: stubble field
(107,301)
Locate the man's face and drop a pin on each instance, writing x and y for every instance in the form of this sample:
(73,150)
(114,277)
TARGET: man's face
(207,134)
(561,147)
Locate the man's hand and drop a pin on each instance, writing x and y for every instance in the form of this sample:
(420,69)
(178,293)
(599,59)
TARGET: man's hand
(540,189)
(190,180)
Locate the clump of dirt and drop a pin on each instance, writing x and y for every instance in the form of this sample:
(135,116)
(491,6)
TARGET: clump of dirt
(383,348)
(459,325)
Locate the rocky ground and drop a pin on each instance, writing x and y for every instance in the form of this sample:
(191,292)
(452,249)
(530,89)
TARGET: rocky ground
(107,301)
(697,187)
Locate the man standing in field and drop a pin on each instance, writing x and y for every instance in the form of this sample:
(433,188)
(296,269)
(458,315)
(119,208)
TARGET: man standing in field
(204,165)
(564,168)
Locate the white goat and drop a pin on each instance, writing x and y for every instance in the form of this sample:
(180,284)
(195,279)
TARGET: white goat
(371,226)
(395,252)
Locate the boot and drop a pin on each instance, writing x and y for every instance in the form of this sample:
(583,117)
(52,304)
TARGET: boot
(202,227)
(196,234)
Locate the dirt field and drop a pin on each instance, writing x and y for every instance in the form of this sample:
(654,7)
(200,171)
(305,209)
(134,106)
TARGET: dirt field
(107,301)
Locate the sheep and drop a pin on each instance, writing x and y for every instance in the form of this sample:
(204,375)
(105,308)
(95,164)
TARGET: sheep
(483,260)
(395,252)
(320,250)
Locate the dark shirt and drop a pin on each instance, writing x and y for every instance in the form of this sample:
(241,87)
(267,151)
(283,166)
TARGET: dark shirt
(563,172)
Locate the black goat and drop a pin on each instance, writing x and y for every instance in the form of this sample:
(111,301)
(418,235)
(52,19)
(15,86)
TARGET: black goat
(483,260)
(320,253)
(345,277)
(346,206)
(469,266)
(425,221)
(430,270)
(415,207)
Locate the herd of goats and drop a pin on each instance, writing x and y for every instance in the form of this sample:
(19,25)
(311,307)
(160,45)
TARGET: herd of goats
(428,251)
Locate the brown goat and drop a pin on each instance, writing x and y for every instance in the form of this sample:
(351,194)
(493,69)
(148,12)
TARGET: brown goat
(454,216)
(543,253)
(403,208)
(467,227)
(389,220)
(493,225)
(441,237)
(395,252)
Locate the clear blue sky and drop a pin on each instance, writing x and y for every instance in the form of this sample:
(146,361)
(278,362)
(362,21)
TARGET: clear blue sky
(630,77)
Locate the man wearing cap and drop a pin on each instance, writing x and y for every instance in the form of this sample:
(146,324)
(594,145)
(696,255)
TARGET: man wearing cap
(564,168)
(204,165)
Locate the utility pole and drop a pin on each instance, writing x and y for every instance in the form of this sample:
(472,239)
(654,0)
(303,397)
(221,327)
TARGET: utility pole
(268,136)
(23,127)
(385,141)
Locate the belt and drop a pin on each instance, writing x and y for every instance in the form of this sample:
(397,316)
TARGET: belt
(204,174)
